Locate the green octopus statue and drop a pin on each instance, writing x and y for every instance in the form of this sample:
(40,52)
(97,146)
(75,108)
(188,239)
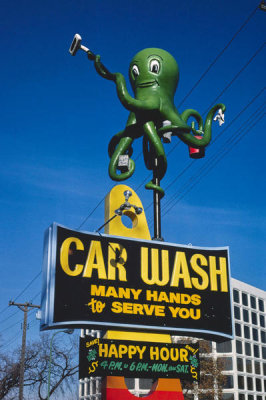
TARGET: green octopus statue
(154,76)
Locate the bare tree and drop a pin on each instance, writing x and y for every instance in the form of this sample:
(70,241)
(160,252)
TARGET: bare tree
(64,367)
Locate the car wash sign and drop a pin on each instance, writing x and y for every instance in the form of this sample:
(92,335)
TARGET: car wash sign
(104,357)
(110,282)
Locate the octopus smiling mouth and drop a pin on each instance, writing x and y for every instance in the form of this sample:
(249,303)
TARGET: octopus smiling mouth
(148,84)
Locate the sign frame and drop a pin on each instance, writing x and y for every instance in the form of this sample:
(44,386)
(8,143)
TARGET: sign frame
(107,357)
(48,291)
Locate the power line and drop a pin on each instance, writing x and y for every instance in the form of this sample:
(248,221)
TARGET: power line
(207,163)
(235,78)
(218,137)
(31,282)
(173,197)
(90,214)
(213,102)
(10,316)
(218,56)
(210,165)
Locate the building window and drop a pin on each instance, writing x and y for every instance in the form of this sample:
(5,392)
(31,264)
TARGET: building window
(258,385)
(244,299)
(263,337)
(257,368)
(239,362)
(238,329)
(228,396)
(253,302)
(130,382)
(246,332)
(250,397)
(259,397)
(254,318)
(239,347)
(236,296)
(249,383)
(229,384)
(224,347)
(256,351)
(237,312)
(255,334)
(261,305)
(227,363)
(241,396)
(145,383)
(249,366)
(247,349)
(264,369)
(264,353)
(246,315)
(240,382)
(262,321)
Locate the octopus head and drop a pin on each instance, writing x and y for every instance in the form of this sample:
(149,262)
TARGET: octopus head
(154,68)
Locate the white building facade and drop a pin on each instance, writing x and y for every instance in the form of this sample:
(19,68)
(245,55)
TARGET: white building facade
(244,357)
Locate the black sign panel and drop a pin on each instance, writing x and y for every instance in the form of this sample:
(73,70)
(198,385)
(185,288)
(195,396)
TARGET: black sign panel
(104,357)
(118,283)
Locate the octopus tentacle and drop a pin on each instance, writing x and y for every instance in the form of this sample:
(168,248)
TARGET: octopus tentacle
(102,70)
(129,102)
(190,139)
(153,149)
(195,114)
(124,145)
(114,142)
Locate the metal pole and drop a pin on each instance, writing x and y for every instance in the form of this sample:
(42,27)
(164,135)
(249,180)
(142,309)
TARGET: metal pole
(156,205)
(50,362)
(25,308)
(23,350)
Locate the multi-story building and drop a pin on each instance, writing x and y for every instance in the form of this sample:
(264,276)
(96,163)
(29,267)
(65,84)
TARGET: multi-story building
(244,357)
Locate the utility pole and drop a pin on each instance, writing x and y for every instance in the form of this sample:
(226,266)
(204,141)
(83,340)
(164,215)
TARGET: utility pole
(25,308)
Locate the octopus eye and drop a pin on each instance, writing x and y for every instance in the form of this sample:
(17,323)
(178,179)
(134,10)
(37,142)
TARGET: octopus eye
(135,71)
(155,66)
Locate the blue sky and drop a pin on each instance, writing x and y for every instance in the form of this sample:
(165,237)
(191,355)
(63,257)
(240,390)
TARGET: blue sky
(58,115)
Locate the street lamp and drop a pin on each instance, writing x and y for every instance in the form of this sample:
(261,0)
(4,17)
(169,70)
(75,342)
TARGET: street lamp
(69,332)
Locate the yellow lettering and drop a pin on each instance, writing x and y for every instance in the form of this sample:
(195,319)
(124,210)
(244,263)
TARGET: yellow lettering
(103,350)
(141,351)
(203,274)
(151,295)
(183,355)
(164,353)
(159,311)
(131,350)
(195,299)
(180,271)
(95,261)
(122,349)
(154,267)
(97,291)
(174,311)
(154,353)
(117,307)
(64,256)
(116,264)
(113,351)
(222,272)
(193,315)
(136,293)
(111,292)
